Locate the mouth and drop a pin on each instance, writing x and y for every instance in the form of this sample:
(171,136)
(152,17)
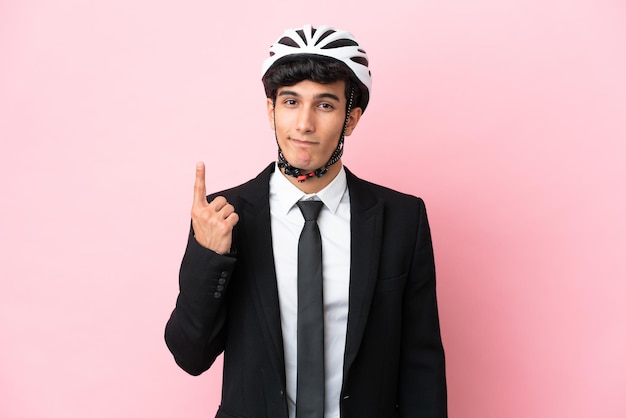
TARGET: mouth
(302,142)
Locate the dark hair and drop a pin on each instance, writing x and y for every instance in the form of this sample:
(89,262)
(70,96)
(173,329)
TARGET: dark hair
(315,68)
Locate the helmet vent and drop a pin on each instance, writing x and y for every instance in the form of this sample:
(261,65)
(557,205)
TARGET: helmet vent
(301,34)
(340,43)
(288,41)
(325,35)
(360,60)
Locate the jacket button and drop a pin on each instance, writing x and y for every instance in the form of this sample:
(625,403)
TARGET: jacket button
(220,287)
(221,280)
(217,295)
(224,274)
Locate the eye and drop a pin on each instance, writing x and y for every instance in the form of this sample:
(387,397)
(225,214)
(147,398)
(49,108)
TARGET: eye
(290,102)
(326,106)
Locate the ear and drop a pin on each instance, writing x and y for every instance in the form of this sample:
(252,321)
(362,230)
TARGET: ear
(353,120)
(270,112)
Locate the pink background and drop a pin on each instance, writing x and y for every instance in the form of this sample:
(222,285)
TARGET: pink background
(508,117)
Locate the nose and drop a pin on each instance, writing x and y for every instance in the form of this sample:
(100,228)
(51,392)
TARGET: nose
(305,122)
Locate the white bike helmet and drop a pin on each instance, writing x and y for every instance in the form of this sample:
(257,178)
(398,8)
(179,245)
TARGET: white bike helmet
(328,42)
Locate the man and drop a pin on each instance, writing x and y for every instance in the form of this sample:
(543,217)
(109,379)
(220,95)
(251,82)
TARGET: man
(374,349)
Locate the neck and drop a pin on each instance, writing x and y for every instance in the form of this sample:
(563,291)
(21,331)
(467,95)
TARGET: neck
(315,184)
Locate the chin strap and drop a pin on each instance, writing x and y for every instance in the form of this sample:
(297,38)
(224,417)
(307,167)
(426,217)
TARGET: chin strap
(298,172)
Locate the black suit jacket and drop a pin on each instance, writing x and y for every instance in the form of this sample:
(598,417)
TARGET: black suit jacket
(394,360)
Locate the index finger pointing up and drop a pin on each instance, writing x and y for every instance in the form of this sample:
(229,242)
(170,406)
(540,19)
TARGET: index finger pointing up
(199,187)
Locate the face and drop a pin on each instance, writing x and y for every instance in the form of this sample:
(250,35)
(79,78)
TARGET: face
(308,118)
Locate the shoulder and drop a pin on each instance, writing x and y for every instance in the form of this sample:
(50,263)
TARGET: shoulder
(388,196)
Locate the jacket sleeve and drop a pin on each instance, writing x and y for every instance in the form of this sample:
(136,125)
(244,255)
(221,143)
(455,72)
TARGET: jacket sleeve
(195,332)
(422,382)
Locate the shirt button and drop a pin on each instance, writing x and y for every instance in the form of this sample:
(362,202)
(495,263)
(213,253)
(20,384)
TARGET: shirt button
(217,295)
(224,274)
(220,287)
(221,281)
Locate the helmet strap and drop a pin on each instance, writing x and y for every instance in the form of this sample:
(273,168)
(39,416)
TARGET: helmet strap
(336,156)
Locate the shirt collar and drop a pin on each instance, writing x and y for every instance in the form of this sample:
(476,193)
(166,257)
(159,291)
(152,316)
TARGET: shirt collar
(285,194)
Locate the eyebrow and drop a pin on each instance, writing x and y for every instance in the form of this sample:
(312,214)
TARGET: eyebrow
(317,96)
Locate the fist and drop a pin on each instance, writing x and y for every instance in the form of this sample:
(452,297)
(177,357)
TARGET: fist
(213,222)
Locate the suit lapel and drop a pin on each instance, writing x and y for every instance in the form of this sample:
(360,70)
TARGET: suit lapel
(366,231)
(257,243)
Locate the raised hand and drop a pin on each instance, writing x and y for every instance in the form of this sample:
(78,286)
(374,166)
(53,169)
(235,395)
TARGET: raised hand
(213,222)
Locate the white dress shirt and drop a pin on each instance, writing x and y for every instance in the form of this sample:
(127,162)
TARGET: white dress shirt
(334,225)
